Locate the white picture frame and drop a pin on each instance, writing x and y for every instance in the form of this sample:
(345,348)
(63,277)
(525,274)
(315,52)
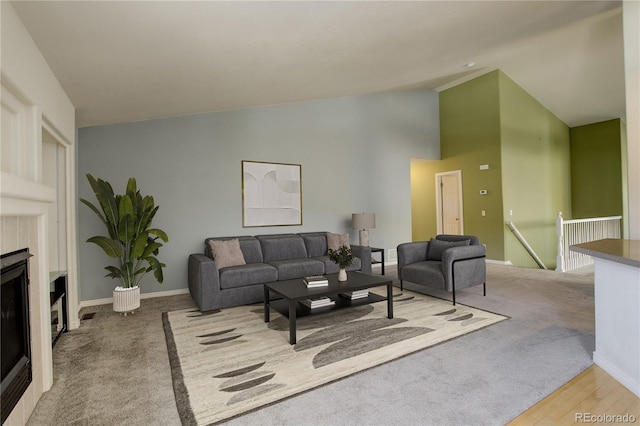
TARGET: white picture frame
(271,194)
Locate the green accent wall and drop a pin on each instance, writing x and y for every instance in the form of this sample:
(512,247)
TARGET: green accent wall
(596,169)
(491,120)
(536,179)
(469,137)
(422,200)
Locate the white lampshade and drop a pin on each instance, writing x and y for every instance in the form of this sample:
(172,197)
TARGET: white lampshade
(363,221)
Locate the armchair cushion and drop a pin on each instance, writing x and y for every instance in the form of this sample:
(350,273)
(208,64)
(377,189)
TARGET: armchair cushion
(437,247)
(428,271)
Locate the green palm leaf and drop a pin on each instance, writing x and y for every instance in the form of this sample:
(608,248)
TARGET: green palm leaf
(110,247)
(137,249)
(160,234)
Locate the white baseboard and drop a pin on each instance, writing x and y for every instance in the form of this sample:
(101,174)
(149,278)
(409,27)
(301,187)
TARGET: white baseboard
(107,300)
(627,381)
(500,262)
(386,264)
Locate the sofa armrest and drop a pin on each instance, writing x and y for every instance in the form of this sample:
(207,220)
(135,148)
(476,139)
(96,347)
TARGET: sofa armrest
(470,266)
(204,282)
(364,254)
(409,253)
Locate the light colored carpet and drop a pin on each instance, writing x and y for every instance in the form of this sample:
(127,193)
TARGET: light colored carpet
(231,362)
(115,370)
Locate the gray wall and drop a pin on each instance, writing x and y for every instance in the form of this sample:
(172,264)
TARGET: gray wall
(355,155)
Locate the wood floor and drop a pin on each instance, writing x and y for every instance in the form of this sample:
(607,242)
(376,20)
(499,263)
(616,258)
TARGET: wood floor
(591,393)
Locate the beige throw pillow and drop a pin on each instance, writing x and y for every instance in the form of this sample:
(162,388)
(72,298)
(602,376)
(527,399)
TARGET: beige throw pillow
(335,241)
(226,253)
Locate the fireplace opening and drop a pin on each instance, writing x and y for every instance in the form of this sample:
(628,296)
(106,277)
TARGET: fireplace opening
(14,325)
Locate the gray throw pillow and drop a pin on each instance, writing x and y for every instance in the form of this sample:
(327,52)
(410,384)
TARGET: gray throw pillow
(437,247)
(226,253)
(335,241)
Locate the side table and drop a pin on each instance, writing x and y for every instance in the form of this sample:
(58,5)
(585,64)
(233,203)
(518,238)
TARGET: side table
(381,251)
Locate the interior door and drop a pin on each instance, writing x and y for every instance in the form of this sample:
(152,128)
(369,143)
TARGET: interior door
(450,203)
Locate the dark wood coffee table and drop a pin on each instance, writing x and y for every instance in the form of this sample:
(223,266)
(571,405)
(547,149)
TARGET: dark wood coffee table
(295,291)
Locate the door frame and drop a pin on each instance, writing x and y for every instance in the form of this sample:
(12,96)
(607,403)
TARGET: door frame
(439,199)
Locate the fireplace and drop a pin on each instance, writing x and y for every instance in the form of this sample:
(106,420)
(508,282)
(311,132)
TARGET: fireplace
(14,324)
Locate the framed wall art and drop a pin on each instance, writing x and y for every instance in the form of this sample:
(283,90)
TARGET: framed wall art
(271,194)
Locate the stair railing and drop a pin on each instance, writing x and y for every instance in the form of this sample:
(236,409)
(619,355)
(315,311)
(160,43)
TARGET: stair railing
(525,244)
(578,231)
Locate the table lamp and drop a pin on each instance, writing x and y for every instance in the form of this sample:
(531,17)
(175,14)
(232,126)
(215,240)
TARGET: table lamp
(363,222)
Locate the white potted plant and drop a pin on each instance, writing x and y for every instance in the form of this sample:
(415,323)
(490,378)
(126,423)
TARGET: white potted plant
(130,240)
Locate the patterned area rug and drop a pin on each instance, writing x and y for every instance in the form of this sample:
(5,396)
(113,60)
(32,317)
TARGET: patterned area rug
(230,362)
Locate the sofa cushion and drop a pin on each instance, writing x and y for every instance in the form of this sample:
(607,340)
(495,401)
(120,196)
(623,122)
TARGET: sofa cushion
(330,267)
(297,268)
(335,241)
(282,248)
(427,273)
(226,253)
(249,274)
(249,245)
(316,244)
(437,247)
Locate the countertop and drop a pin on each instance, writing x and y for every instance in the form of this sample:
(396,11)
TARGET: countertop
(615,250)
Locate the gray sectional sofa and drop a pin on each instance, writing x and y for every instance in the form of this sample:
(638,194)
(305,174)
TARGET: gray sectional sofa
(268,258)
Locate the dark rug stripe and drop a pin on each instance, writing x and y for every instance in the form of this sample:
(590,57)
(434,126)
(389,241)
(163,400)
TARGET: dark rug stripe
(179,389)
(240,371)
(249,384)
(217,342)
(217,333)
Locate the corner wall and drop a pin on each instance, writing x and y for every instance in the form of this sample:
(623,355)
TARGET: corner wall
(492,121)
(536,177)
(596,170)
(631,32)
(470,136)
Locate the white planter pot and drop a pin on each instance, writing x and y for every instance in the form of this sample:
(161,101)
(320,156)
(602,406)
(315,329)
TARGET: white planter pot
(342,274)
(126,300)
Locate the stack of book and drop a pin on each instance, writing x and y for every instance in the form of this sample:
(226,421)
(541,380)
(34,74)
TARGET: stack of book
(358,294)
(318,303)
(316,281)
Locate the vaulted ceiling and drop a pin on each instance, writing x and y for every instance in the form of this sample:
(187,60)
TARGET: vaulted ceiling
(137,60)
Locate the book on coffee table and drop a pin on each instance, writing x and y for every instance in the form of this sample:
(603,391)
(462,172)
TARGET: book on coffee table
(316,281)
(354,295)
(318,303)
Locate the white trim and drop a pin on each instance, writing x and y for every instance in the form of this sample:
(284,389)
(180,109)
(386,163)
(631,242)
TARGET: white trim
(499,262)
(439,197)
(19,188)
(386,263)
(108,300)
(628,381)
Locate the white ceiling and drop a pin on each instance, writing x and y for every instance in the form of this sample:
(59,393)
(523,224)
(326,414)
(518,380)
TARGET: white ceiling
(129,61)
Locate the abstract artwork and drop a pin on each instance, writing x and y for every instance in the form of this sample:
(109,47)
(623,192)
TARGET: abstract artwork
(271,194)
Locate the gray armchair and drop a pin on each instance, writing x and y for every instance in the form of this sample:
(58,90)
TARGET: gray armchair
(448,262)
